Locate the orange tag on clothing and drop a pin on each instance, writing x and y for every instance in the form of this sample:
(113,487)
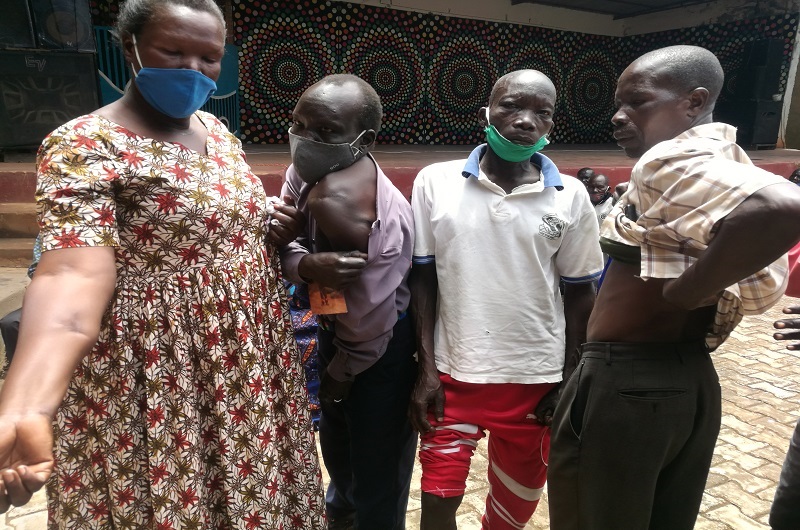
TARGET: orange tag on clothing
(326,301)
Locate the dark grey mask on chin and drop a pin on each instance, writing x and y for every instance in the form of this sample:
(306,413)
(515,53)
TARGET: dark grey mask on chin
(313,160)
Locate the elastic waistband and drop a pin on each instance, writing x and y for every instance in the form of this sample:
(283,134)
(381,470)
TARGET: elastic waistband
(632,350)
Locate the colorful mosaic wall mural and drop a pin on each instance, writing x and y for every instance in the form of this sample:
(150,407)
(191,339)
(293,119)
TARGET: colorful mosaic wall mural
(434,73)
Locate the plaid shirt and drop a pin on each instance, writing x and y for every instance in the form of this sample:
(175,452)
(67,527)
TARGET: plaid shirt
(680,190)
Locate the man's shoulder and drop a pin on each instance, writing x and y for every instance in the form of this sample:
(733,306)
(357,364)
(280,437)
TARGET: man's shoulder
(571,183)
(572,189)
(447,167)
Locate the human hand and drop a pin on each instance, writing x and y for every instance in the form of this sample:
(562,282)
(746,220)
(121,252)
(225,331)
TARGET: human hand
(543,413)
(26,457)
(287,222)
(427,392)
(789,323)
(332,390)
(332,269)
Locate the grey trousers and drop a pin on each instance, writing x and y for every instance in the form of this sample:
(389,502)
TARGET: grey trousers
(9,329)
(633,436)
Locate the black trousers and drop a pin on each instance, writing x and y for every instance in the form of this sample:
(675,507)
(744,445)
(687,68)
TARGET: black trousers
(785,512)
(633,436)
(9,328)
(367,442)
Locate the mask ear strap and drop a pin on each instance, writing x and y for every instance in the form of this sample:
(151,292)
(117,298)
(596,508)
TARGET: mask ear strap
(136,51)
(357,150)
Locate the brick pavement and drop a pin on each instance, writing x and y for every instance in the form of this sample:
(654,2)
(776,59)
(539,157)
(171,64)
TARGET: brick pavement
(761,403)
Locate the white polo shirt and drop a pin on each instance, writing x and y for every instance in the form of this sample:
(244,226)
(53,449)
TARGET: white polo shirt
(499,257)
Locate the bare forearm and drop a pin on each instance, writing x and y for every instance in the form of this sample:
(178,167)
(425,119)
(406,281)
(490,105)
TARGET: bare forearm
(578,304)
(37,380)
(423,283)
(754,235)
(60,323)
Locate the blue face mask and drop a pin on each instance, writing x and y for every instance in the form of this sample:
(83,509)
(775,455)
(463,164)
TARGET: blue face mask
(176,92)
(508,150)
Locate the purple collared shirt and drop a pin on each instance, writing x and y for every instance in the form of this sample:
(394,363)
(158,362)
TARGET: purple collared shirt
(376,299)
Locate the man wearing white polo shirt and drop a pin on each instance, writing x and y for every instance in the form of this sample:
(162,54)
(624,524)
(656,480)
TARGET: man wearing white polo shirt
(495,235)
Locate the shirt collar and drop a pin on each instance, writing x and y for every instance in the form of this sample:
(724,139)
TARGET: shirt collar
(717,131)
(550,173)
(604,199)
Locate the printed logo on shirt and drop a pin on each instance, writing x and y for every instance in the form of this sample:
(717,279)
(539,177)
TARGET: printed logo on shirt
(552,226)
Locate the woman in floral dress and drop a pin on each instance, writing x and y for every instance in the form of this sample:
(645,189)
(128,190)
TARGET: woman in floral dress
(157,383)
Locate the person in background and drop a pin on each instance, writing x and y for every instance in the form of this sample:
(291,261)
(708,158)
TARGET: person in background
(357,245)
(785,511)
(169,392)
(495,234)
(619,190)
(584,174)
(9,324)
(636,426)
(795,176)
(304,324)
(600,195)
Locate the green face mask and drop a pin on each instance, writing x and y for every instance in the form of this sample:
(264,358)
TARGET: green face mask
(508,150)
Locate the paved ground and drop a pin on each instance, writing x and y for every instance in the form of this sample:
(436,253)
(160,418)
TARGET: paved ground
(761,403)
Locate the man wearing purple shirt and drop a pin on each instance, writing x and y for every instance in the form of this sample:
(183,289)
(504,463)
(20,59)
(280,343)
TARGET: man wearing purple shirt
(358,239)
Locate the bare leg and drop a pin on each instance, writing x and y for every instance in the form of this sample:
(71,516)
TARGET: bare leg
(439,513)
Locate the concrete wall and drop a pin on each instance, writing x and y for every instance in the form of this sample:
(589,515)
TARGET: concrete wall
(582,22)
(503,11)
(719,12)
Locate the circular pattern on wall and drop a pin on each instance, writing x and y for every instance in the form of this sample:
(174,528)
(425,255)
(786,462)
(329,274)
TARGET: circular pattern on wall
(279,59)
(461,76)
(538,55)
(434,72)
(389,59)
(588,96)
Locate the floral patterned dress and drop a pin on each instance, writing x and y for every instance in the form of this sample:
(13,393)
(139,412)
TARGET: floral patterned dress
(190,412)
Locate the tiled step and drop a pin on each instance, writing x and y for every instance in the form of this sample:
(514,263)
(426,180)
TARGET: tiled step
(18,219)
(17,182)
(16,251)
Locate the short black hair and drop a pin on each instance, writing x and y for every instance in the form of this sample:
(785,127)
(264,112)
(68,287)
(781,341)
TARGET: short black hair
(585,173)
(371,114)
(135,14)
(685,68)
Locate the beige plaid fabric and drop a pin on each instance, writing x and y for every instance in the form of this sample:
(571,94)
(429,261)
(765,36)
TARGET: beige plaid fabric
(680,189)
